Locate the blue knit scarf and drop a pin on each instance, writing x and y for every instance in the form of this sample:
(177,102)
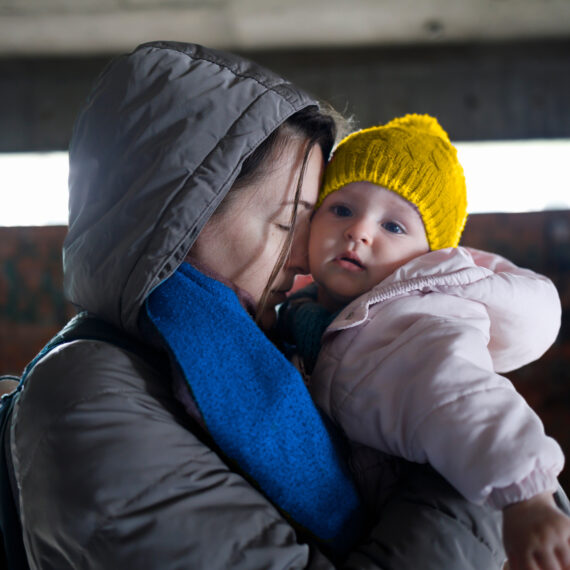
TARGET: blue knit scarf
(255,405)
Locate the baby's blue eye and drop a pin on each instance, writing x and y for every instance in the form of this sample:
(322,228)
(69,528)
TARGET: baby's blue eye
(341,211)
(393,227)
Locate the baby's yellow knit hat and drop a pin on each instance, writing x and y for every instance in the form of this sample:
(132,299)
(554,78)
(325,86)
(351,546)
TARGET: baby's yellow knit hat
(413,157)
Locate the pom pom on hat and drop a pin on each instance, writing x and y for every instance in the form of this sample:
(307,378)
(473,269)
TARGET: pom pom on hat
(413,157)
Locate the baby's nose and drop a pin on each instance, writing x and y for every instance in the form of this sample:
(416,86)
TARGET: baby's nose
(359,231)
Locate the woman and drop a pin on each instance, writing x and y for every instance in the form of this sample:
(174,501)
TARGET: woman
(194,165)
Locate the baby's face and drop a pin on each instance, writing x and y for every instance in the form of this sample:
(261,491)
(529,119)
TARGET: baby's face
(361,234)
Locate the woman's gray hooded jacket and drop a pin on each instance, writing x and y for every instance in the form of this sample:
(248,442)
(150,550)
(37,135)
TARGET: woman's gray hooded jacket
(157,146)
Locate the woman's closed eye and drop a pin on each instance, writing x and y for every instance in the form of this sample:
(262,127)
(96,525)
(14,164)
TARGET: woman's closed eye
(394,227)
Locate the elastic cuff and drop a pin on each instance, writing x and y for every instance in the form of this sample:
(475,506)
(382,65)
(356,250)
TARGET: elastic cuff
(535,483)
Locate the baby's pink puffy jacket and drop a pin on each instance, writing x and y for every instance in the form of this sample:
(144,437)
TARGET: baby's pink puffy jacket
(412,369)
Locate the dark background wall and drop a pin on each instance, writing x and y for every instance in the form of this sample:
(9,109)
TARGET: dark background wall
(479,92)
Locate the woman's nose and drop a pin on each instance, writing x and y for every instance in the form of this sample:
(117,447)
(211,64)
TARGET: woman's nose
(359,231)
(299,255)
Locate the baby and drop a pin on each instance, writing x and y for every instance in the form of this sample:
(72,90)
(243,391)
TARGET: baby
(417,330)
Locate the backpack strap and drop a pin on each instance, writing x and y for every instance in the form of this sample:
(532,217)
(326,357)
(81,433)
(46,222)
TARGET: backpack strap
(12,552)
(85,326)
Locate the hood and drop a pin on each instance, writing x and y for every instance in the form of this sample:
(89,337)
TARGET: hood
(156,147)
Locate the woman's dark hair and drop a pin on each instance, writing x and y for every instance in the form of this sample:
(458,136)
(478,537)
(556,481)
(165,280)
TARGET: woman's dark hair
(313,125)
(309,123)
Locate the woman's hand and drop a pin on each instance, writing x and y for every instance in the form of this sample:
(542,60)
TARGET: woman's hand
(536,535)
